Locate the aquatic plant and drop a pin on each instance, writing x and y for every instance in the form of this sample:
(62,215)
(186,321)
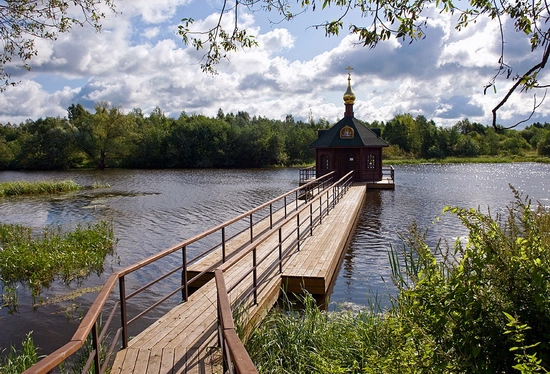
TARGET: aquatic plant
(16,188)
(36,262)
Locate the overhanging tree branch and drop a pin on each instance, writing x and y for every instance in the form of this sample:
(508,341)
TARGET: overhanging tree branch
(524,80)
(24,21)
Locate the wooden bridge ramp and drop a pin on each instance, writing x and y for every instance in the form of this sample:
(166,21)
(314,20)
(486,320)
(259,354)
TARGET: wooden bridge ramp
(185,339)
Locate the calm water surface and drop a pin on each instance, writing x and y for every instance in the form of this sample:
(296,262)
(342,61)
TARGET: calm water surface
(152,210)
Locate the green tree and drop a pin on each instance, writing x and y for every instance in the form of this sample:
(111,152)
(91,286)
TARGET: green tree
(543,147)
(396,131)
(466,146)
(151,140)
(24,21)
(49,144)
(105,136)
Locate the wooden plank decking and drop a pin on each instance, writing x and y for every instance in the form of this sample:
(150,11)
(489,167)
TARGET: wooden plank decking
(315,266)
(185,339)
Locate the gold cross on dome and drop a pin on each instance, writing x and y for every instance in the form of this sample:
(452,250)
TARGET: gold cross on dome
(349,69)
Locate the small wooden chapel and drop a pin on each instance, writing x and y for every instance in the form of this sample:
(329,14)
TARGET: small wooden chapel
(350,145)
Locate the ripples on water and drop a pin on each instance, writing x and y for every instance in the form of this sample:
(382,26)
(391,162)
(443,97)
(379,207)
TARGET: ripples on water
(154,209)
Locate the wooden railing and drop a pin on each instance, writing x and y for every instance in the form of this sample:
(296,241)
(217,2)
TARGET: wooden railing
(302,222)
(95,333)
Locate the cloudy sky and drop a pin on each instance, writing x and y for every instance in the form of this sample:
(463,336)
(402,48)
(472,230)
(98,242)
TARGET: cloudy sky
(138,61)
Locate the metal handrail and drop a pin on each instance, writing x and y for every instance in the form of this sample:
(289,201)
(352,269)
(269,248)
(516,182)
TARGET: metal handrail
(90,324)
(233,349)
(388,171)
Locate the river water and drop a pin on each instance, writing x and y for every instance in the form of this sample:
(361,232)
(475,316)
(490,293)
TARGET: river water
(154,209)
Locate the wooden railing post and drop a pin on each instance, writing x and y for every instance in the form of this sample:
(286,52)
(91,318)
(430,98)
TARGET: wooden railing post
(321,209)
(298,229)
(270,216)
(311,219)
(123,316)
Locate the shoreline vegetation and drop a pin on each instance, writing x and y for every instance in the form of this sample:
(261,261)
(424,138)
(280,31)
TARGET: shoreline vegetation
(36,260)
(110,138)
(19,188)
(481,306)
(508,159)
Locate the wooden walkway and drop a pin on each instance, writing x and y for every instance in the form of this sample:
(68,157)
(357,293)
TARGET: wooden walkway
(185,339)
(313,268)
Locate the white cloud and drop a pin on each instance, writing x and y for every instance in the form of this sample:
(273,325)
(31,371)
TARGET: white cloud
(154,12)
(134,64)
(29,101)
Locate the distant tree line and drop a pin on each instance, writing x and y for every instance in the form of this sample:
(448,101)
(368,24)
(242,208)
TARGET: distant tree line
(420,138)
(109,138)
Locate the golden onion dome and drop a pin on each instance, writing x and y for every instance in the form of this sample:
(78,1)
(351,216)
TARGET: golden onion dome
(349,96)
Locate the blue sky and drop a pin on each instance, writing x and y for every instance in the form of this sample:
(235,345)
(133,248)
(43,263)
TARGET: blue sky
(138,61)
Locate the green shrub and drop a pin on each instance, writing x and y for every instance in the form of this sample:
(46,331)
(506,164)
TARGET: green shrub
(460,296)
(481,306)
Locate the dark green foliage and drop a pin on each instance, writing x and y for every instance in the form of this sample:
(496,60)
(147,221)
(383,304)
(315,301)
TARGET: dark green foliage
(459,296)
(543,146)
(109,138)
(479,306)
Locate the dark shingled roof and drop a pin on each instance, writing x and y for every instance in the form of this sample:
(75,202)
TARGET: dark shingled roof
(363,136)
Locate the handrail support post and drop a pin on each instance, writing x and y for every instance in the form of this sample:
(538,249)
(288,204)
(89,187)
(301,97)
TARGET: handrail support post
(184,280)
(123,316)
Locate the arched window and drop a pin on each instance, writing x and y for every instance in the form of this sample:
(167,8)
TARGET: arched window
(324,162)
(371,162)
(346,133)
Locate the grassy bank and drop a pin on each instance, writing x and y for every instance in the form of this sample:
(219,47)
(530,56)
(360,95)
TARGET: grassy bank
(17,188)
(37,260)
(404,160)
(476,307)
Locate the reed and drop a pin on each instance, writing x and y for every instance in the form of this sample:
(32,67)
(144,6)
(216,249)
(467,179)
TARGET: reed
(16,361)
(16,188)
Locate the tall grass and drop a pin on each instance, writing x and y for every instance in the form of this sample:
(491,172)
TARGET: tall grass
(476,307)
(17,188)
(36,262)
(17,361)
